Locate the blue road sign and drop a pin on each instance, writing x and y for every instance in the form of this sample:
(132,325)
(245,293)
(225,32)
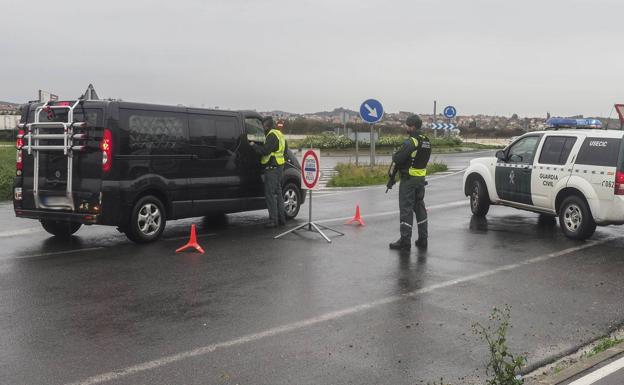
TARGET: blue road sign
(450,112)
(371,111)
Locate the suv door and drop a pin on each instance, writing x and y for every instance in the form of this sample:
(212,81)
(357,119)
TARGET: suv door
(215,170)
(513,173)
(553,165)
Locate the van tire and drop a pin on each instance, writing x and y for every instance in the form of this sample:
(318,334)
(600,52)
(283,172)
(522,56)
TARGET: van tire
(292,199)
(479,198)
(147,221)
(575,218)
(60,229)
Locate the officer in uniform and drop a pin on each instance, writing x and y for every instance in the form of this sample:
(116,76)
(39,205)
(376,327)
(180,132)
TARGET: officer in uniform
(272,159)
(411,160)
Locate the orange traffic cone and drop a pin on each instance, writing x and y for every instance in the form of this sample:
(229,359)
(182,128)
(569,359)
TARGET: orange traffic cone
(192,242)
(357,218)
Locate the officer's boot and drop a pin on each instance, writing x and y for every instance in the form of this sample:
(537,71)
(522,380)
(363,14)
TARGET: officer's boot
(421,243)
(401,244)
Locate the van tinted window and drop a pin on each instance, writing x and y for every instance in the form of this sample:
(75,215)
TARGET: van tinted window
(621,164)
(155,132)
(599,152)
(556,149)
(203,136)
(228,133)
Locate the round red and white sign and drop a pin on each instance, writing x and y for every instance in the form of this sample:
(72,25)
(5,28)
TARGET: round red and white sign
(310,169)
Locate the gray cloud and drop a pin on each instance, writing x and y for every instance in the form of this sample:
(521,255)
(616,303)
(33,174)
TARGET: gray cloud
(483,56)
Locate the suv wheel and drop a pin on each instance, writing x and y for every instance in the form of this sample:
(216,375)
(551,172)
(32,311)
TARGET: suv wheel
(147,221)
(292,200)
(60,229)
(479,198)
(575,218)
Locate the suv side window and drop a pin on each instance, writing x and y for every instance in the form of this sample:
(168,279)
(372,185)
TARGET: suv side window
(523,151)
(254,129)
(599,152)
(556,149)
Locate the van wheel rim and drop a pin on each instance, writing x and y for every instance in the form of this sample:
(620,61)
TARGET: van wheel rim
(572,218)
(290,201)
(149,220)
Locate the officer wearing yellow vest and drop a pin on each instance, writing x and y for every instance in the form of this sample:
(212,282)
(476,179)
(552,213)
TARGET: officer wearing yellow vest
(272,159)
(411,159)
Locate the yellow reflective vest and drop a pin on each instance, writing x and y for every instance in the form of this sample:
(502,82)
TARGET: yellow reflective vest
(279,154)
(412,170)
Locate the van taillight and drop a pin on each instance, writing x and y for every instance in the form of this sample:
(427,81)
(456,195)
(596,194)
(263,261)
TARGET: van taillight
(19,162)
(106,145)
(619,183)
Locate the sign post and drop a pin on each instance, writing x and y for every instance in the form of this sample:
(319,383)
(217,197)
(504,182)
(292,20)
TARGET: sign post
(310,174)
(371,111)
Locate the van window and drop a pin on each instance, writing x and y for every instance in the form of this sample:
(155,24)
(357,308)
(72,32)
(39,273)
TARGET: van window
(93,116)
(228,133)
(155,132)
(203,135)
(556,149)
(255,130)
(599,152)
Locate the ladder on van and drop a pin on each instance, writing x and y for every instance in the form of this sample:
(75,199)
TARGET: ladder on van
(32,138)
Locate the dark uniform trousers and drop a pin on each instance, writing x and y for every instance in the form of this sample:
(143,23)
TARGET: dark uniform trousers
(411,201)
(273,193)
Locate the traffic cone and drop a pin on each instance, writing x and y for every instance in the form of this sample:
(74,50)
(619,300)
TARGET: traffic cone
(357,218)
(192,242)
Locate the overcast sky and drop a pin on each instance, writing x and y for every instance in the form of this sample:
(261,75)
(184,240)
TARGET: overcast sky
(482,56)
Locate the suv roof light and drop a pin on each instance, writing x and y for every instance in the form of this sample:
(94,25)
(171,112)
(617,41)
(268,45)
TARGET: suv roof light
(557,123)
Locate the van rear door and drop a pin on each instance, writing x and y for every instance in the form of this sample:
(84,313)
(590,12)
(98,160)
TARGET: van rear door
(65,157)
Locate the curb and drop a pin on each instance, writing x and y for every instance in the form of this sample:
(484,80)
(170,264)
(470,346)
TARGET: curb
(579,367)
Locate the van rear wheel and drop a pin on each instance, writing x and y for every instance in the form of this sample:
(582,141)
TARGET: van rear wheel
(60,229)
(147,221)
(575,218)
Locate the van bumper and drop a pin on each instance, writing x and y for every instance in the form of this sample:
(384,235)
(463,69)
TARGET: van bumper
(85,219)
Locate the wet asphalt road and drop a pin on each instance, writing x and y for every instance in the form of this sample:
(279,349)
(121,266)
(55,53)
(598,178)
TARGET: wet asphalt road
(254,310)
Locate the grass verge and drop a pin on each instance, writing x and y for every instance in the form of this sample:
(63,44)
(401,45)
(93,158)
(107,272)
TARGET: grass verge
(7,172)
(603,345)
(350,175)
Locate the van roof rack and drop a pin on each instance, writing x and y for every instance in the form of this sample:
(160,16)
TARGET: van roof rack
(559,123)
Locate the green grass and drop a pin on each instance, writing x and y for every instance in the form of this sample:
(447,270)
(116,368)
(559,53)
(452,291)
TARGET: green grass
(7,172)
(350,175)
(603,345)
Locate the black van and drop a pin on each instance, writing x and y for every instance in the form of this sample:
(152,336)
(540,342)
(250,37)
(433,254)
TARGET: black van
(135,166)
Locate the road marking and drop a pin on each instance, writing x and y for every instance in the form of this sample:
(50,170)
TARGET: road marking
(201,351)
(52,253)
(13,233)
(463,202)
(600,373)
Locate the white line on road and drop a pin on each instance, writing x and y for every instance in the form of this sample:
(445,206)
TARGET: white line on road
(163,361)
(52,253)
(463,202)
(600,373)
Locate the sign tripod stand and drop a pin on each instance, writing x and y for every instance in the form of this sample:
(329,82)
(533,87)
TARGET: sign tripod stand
(310,172)
(310,225)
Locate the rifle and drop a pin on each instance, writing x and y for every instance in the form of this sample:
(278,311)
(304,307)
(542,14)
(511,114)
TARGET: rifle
(392,173)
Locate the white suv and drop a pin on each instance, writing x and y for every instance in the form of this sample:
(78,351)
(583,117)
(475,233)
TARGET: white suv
(577,174)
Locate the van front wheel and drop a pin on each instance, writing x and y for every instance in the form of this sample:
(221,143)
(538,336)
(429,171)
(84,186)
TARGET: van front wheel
(60,229)
(148,220)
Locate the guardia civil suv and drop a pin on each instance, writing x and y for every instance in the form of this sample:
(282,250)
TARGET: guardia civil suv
(574,171)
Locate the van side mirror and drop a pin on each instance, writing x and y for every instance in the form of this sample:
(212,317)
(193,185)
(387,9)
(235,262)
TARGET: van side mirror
(500,155)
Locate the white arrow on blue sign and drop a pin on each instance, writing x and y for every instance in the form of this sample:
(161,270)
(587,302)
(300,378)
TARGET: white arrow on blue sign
(450,112)
(371,111)
(442,126)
